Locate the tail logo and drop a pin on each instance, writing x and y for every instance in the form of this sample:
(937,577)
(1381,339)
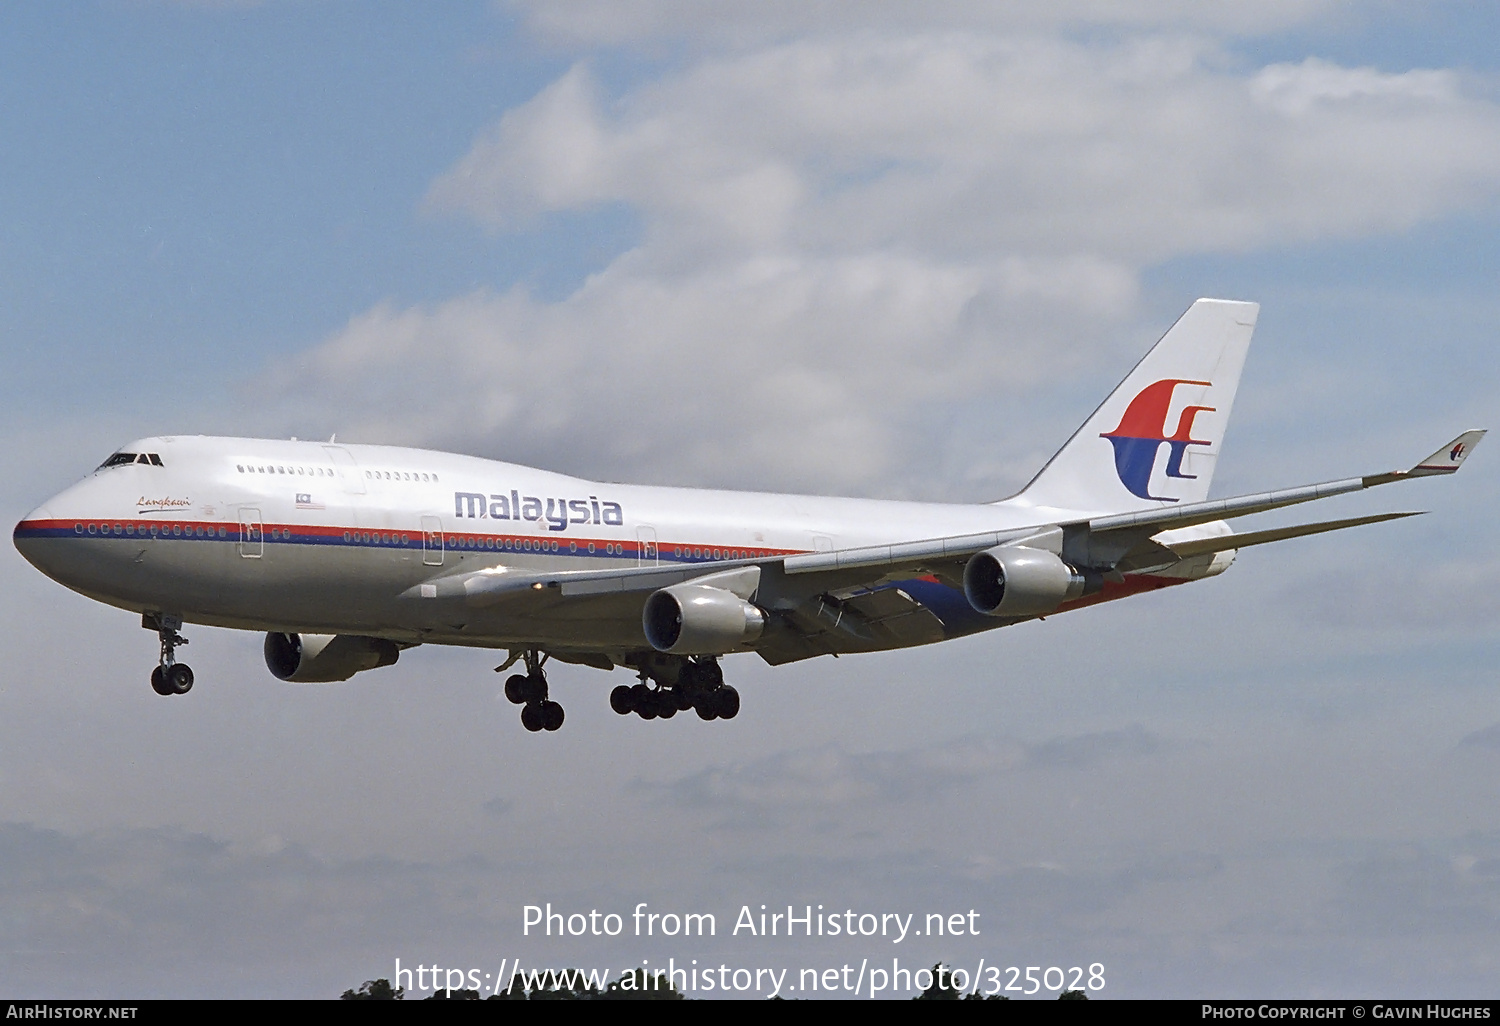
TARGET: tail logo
(1457,453)
(1142,432)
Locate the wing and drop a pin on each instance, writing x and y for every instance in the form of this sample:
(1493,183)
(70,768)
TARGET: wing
(891,596)
(1100,542)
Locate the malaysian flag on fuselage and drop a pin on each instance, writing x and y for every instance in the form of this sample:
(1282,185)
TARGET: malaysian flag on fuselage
(304,501)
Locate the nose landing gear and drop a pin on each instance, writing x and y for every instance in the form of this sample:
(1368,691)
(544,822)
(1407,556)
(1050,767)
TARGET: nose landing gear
(529,691)
(170,677)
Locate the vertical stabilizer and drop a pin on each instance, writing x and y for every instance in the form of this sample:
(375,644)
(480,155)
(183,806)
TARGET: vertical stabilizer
(1154,442)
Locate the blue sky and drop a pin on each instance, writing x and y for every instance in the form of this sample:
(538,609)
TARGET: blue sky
(763,246)
(243,179)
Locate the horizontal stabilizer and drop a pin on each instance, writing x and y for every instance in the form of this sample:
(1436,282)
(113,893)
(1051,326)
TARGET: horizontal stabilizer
(1224,543)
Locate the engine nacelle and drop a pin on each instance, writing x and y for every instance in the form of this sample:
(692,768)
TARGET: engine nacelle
(695,619)
(321,658)
(1013,580)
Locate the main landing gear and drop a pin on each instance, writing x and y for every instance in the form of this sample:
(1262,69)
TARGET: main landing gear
(700,686)
(170,677)
(529,691)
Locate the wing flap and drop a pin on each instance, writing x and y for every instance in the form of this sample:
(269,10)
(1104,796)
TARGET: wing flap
(897,616)
(874,618)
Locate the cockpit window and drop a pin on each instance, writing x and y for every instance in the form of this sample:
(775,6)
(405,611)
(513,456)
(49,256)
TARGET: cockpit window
(120,459)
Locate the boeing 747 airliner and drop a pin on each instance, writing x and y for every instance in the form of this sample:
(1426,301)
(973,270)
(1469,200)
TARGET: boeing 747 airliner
(346,555)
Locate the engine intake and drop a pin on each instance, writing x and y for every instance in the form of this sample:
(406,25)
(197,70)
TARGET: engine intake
(1014,580)
(694,619)
(321,658)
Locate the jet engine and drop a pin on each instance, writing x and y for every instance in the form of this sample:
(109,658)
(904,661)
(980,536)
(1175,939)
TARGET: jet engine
(695,619)
(1014,580)
(320,658)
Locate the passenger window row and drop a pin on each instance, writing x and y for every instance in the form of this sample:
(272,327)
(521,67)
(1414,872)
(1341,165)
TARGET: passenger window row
(470,541)
(377,538)
(399,475)
(144,530)
(268,468)
(151,530)
(697,553)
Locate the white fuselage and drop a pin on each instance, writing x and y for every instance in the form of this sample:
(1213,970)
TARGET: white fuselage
(323,538)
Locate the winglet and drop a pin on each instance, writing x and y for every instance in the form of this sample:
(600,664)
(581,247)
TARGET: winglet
(1445,461)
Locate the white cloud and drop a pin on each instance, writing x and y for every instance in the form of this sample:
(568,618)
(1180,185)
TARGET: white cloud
(1296,88)
(960,147)
(761,369)
(853,241)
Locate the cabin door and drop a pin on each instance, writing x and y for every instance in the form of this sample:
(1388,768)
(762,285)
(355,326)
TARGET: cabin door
(252,538)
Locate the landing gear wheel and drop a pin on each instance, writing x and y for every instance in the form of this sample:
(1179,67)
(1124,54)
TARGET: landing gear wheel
(178,678)
(726,702)
(707,708)
(622,700)
(529,691)
(170,677)
(666,705)
(515,689)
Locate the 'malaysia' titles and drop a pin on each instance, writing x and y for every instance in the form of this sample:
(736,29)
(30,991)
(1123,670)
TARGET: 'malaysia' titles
(558,513)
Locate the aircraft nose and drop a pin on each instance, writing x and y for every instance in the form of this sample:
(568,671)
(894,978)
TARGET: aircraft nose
(30,531)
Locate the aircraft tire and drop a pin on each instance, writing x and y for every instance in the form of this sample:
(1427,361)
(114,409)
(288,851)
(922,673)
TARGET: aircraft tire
(707,707)
(158,684)
(532,717)
(552,716)
(179,678)
(515,689)
(666,705)
(726,702)
(622,700)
